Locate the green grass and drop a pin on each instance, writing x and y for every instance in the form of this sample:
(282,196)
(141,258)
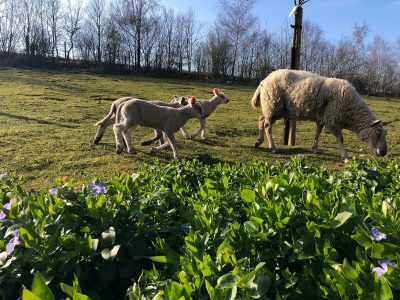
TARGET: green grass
(47,117)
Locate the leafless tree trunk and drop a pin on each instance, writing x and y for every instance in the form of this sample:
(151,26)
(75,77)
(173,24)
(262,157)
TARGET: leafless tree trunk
(72,20)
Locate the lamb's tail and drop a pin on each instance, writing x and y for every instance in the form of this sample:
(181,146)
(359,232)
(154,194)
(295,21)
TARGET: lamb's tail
(118,116)
(255,101)
(113,110)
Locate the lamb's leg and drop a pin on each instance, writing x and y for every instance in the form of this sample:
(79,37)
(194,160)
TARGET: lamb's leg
(102,128)
(316,139)
(127,134)
(157,136)
(162,146)
(171,138)
(119,143)
(261,129)
(203,131)
(202,127)
(340,141)
(185,133)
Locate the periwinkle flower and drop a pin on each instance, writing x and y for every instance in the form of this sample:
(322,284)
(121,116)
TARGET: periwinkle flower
(97,187)
(13,242)
(301,155)
(377,235)
(6,206)
(53,191)
(373,169)
(3,175)
(383,266)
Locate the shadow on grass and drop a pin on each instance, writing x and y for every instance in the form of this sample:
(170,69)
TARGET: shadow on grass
(25,118)
(209,160)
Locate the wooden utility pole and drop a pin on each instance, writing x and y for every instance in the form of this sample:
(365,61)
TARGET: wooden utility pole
(289,132)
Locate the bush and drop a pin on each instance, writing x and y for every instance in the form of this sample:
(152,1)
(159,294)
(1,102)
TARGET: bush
(197,231)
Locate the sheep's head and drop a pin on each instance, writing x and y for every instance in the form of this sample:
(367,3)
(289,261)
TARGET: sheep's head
(220,96)
(196,107)
(375,137)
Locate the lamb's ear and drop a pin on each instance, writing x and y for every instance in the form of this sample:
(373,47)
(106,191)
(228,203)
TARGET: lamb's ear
(183,101)
(215,91)
(376,122)
(192,101)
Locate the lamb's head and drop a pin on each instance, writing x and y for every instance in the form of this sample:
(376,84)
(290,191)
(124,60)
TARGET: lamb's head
(375,137)
(183,101)
(220,97)
(196,108)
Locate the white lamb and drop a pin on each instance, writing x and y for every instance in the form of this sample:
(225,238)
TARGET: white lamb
(136,112)
(208,108)
(109,119)
(330,102)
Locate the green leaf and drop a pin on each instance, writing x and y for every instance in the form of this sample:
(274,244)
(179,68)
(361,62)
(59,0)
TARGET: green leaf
(382,290)
(28,295)
(110,254)
(162,259)
(384,250)
(341,218)
(248,195)
(173,290)
(40,289)
(228,280)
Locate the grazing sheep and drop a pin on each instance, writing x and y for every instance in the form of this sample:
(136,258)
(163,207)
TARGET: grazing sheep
(109,119)
(169,120)
(208,108)
(330,102)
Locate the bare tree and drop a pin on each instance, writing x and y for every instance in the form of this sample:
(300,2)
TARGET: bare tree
(236,22)
(95,20)
(135,15)
(72,21)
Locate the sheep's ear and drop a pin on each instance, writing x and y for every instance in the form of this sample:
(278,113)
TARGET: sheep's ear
(215,91)
(376,122)
(183,101)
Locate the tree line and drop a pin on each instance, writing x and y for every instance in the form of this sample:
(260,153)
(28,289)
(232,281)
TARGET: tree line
(142,35)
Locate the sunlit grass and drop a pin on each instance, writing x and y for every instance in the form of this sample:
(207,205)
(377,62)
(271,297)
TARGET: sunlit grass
(47,125)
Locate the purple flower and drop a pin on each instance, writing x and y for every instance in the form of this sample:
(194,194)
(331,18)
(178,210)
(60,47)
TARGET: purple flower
(2,215)
(13,242)
(383,266)
(97,187)
(301,155)
(53,191)
(6,206)
(377,235)
(3,175)
(373,169)
(287,164)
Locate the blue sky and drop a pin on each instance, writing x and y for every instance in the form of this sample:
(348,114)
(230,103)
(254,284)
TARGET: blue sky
(335,17)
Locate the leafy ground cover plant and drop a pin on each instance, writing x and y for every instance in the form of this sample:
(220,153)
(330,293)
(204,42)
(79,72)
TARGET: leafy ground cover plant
(188,230)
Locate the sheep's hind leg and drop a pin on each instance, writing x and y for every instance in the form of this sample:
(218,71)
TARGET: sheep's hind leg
(119,141)
(316,139)
(162,146)
(185,133)
(171,138)
(157,136)
(261,129)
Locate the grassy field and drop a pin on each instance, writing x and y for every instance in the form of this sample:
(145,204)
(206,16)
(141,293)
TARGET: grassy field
(47,127)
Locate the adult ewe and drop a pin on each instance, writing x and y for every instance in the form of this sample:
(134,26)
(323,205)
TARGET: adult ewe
(330,102)
(109,119)
(169,120)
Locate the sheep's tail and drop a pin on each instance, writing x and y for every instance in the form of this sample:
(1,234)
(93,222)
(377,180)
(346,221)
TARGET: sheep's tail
(255,101)
(113,110)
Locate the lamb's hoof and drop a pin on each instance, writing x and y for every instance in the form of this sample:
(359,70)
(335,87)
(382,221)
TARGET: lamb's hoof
(132,151)
(346,160)
(153,150)
(258,143)
(96,141)
(119,150)
(203,138)
(315,150)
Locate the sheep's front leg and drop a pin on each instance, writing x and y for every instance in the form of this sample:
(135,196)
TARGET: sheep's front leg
(157,136)
(340,141)
(261,129)
(201,129)
(185,133)
(316,139)
(102,128)
(172,142)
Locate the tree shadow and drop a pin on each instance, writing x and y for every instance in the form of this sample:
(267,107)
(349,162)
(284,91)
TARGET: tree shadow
(30,119)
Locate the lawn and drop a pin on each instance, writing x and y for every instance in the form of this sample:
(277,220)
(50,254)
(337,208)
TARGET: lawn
(47,125)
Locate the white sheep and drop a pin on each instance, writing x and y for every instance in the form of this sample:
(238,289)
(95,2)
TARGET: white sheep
(330,102)
(169,120)
(109,119)
(208,108)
